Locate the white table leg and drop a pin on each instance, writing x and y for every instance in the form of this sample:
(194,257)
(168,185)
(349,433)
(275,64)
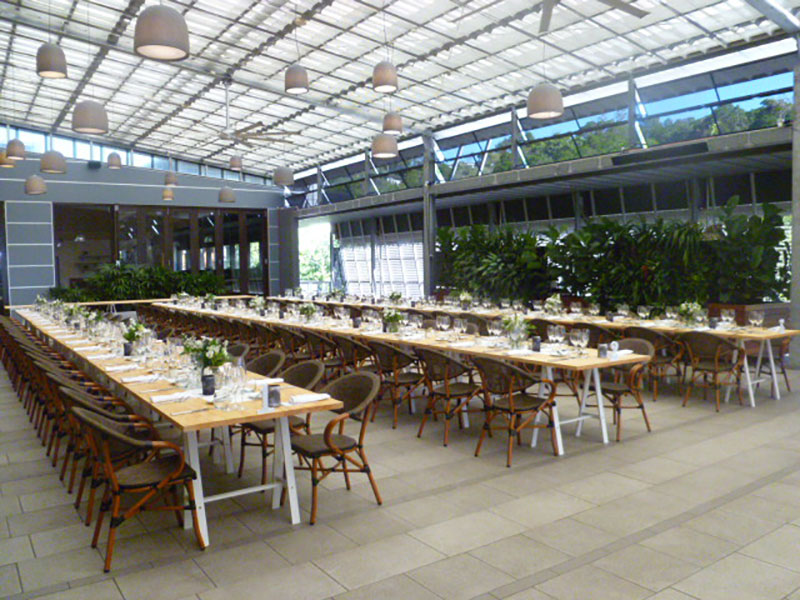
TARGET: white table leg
(773,371)
(584,398)
(227,449)
(747,379)
(535,434)
(760,358)
(601,414)
(193,459)
(277,468)
(557,427)
(288,468)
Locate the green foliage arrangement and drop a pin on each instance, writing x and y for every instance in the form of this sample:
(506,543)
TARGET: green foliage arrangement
(133,282)
(743,259)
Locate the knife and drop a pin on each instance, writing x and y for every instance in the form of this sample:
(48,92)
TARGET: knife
(189,412)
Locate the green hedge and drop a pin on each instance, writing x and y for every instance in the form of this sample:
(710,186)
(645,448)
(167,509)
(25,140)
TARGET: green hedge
(742,259)
(133,282)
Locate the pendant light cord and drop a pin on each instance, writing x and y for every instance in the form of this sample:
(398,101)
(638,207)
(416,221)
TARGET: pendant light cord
(296,27)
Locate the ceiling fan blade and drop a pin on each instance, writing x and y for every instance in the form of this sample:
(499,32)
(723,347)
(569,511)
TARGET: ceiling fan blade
(245,142)
(248,128)
(628,8)
(547,15)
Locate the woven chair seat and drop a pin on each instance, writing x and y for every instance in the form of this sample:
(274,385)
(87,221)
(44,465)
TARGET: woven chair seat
(153,472)
(522,402)
(457,388)
(265,427)
(314,446)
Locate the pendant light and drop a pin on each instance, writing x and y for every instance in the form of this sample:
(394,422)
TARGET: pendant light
(5,162)
(236,162)
(227,195)
(392,123)
(161,33)
(170,179)
(114,161)
(544,100)
(89,116)
(384,77)
(51,62)
(283,177)
(168,194)
(384,146)
(295,80)
(53,161)
(35,186)
(15,150)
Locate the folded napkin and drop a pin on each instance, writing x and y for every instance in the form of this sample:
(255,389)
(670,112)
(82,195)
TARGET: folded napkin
(140,379)
(268,381)
(306,398)
(101,356)
(624,352)
(414,336)
(86,348)
(169,397)
(520,352)
(465,344)
(118,368)
(777,328)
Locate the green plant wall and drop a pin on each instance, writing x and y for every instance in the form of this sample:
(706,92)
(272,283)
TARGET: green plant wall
(743,259)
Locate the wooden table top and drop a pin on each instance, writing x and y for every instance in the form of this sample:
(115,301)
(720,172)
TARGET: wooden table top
(741,333)
(432,340)
(245,412)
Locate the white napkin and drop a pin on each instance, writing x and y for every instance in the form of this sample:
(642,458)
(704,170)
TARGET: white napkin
(170,397)
(101,356)
(306,398)
(140,379)
(520,352)
(465,344)
(414,336)
(118,368)
(268,381)
(624,352)
(86,348)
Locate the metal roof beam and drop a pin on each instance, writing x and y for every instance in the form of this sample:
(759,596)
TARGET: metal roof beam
(777,14)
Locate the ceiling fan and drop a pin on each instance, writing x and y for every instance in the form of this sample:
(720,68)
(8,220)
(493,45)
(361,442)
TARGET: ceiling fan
(244,135)
(549,5)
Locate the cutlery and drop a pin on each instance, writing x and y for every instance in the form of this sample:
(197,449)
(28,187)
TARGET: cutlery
(189,412)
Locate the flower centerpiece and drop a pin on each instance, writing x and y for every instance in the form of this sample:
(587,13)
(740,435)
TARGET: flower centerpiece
(308,310)
(553,305)
(691,312)
(391,320)
(258,304)
(183,298)
(516,328)
(209,354)
(465,300)
(395,297)
(209,301)
(132,334)
(336,295)
(298,292)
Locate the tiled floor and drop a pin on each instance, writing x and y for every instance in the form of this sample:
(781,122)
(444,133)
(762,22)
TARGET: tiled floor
(706,507)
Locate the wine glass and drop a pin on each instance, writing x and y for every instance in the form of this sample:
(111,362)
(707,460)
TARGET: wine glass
(538,306)
(459,325)
(758,318)
(442,322)
(643,311)
(575,309)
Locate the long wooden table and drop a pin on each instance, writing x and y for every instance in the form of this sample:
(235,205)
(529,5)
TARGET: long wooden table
(469,346)
(738,335)
(207,417)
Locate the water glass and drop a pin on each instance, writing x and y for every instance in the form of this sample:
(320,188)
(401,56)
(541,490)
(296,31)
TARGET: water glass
(643,311)
(442,322)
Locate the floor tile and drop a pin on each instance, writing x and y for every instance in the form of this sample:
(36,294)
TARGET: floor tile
(302,545)
(530,594)
(591,582)
(739,577)
(603,487)
(466,533)
(519,556)
(692,546)
(655,470)
(781,547)
(542,507)
(43,572)
(225,567)
(173,582)
(645,567)
(735,527)
(300,582)
(378,560)
(459,577)
(103,590)
(571,536)
(400,587)
(370,526)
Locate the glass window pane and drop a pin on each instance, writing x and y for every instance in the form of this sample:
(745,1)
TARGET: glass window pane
(34,141)
(126,217)
(153,236)
(142,160)
(123,154)
(64,145)
(84,237)
(230,250)
(83,150)
(231,175)
(206,226)
(185,166)
(181,251)
(213,172)
(161,162)
(756,86)
(253,178)
(687,125)
(255,236)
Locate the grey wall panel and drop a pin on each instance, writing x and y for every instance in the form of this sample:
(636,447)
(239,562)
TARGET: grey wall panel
(32,276)
(28,211)
(27,295)
(30,255)
(30,233)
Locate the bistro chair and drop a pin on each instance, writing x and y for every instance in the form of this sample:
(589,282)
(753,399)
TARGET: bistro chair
(344,454)
(713,358)
(399,371)
(157,471)
(628,383)
(324,350)
(306,375)
(668,354)
(441,375)
(267,365)
(505,395)
(354,355)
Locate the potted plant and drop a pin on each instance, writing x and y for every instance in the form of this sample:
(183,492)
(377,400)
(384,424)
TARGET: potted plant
(465,300)
(258,304)
(307,310)
(391,320)
(133,334)
(209,354)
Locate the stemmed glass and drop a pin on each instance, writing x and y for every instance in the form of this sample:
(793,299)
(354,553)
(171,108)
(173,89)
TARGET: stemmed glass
(756,318)
(495,327)
(575,309)
(442,322)
(458,325)
(643,311)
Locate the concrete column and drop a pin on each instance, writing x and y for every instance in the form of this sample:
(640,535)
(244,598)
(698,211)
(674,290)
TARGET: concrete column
(795,287)
(367,190)
(633,139)
(515,138)
(428,216)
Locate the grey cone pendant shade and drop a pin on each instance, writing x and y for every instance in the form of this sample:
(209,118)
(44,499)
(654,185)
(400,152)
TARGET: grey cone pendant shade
(392,123)
(545,102)
(114,161)
(295,80)
(384,77)
(161,33)
(170,179)
(168,194)
(236,163)
(283,176)
(53,161)
(384,146)
(227,195)
(89,116)
(35,186)
(15,150)
(51,62)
